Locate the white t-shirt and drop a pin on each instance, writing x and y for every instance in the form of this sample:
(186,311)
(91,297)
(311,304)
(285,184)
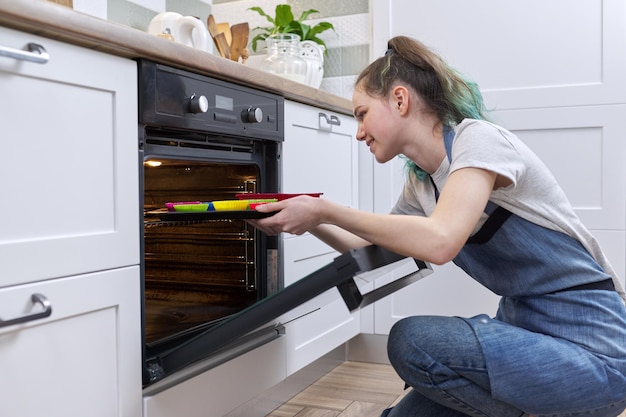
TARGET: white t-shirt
(534,194)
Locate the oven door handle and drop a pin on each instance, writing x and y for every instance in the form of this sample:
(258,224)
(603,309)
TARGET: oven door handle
(154,370)
(355,300)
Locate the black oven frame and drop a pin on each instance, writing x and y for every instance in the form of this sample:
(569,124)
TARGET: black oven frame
(185,349)
(247,130)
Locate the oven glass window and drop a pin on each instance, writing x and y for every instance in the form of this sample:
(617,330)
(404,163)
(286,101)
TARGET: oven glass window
(196,272)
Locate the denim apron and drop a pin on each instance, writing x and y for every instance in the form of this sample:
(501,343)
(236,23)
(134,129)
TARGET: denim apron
(550,286)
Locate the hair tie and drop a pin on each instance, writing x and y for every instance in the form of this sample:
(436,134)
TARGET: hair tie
(389,51)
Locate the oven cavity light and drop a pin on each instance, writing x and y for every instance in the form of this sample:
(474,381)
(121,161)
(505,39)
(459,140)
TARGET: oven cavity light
(153,163)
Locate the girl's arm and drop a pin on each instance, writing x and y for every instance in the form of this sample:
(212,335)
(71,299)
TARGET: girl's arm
(437,238)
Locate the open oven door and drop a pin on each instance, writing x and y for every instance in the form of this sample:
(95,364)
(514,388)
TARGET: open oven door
(253,321)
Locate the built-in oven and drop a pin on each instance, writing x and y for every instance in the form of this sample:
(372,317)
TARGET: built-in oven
(212,284)
(202,140)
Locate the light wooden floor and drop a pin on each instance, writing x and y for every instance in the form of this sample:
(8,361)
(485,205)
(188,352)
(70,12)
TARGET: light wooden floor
(350,390)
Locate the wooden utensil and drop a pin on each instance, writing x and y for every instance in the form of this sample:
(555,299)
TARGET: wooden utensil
(225,29)
(218,38)
(222,45)
(240,33)
(212,26)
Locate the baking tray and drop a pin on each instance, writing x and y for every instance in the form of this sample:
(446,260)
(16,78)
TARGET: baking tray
(175,216)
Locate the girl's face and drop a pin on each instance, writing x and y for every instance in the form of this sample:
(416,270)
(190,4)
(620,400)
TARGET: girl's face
(379,124)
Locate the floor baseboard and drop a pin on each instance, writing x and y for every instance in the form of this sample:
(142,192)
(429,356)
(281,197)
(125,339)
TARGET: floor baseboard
(370,348)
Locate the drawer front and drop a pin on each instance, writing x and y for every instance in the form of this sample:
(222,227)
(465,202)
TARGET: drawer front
(84,358)
(321,324)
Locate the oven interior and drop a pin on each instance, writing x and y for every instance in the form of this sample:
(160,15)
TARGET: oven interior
(196,271)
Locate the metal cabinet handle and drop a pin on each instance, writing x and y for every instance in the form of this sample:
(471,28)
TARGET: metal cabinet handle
(35,298)
(332,120)
(36,53)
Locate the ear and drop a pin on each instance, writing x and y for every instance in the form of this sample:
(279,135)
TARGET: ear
(400,99)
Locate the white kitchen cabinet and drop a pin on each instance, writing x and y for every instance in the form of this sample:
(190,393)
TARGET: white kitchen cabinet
(69,161)
(320,154)
(82,360)
(69,231)
(323,323)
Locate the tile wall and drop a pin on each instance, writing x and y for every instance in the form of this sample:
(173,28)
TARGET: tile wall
(348,47)
(138,13)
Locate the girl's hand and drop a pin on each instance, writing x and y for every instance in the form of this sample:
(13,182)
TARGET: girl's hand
(295,215)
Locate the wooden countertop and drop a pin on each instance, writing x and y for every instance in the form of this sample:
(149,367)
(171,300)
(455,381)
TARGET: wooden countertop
(51,20)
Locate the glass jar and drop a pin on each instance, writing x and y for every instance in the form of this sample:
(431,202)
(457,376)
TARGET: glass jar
(283,57)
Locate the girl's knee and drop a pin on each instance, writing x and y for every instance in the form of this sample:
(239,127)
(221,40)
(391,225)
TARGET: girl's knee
(397,342)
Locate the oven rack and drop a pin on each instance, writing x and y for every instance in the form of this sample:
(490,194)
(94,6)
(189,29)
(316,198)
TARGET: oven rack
(162,217)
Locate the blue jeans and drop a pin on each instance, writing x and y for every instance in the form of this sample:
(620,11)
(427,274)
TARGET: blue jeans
(442,360)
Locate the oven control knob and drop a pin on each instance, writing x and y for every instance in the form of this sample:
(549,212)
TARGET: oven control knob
(252,115)
(198,104)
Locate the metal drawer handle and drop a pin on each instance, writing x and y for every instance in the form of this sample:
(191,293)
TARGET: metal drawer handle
(36,299)
(36,53)
(332,120)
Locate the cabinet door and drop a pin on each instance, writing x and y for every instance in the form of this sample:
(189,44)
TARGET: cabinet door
(321,324)
(319,155)
(518,67)
(82,360)
(584,147)
(69,162)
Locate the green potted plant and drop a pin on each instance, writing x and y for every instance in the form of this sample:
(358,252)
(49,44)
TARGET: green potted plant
(284,22)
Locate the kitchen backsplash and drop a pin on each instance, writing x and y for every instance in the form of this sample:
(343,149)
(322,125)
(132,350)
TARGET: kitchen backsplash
(348,47)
